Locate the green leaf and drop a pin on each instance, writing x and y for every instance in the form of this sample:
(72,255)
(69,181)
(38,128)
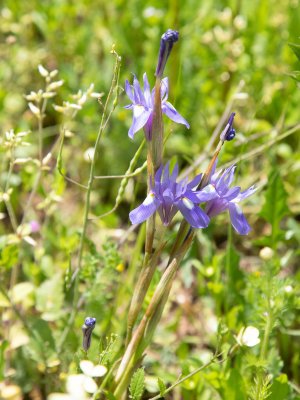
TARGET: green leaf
(3,346)
(9,256)
(42,345)
(162,386)
(235,387)
(137,384)
(280,388)
(49,298)
(275,206)
(296,49)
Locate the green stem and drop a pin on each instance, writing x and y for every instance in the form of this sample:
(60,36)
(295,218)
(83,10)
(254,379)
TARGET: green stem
(87,207)
(140,341)
(159,396)
(263,352)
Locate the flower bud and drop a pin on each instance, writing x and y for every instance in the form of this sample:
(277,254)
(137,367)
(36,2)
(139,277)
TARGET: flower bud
(228,132)
(266,253)
(87,329)
(166,44)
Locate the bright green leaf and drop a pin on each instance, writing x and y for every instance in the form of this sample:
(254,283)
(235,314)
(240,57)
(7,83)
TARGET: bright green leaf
(275,206)
(235,387)
(280,388)
(137,384)
(162,386)
(9,256)
(296,49)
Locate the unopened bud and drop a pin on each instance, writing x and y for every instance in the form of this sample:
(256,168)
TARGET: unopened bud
(87,329)
(266,253)
(43,71)
(166,44)
(35,110)
(228,133)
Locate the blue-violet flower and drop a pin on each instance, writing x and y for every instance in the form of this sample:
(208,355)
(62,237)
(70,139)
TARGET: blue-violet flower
(87,329)
(228,199)
(167,197)
(142,106)
(166,44)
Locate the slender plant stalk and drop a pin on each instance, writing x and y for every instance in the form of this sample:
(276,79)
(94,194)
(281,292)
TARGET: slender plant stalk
(263,353)
(154,161)
(87,204)
(142,286)
(136,346)
(185,378)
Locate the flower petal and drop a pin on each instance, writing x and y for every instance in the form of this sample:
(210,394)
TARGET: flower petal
(128,90)
(194,215)
(174,173)
(147,91)
(145,210)
(173,114)
(232,193)
(195,182)
(164,89)
(158,175)
(206,194)
(137,92)
(246,193)
(140,117)
(238,219)
(215,207)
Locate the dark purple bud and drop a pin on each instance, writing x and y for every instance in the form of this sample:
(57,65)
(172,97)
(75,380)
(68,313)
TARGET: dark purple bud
(87,329)
(166,44)
(228,132)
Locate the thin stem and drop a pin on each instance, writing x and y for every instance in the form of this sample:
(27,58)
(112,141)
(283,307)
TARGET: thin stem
(184,379)
(38,177)
(87,206)
(124,182)
(263,351)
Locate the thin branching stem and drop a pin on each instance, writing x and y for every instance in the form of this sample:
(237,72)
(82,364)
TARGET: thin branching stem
(87,204)
(159,396)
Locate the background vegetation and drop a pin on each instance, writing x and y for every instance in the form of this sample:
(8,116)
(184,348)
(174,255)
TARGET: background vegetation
(231,54)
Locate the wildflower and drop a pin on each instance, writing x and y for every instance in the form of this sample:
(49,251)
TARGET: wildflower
(248,336)
(34,226)
(166,44)
(143,104)
(167,197)
(228,132)
(87,329)
(228,199)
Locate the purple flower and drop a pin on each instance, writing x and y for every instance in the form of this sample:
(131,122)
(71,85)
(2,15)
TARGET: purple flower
(228,132)
(87,329)
(166,44)
(167,197)
(143,103)
(228,199)
(34,226)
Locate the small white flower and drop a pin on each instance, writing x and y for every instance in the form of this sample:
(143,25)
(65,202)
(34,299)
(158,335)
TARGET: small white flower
(248,336)
(288,289)
(89,369)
